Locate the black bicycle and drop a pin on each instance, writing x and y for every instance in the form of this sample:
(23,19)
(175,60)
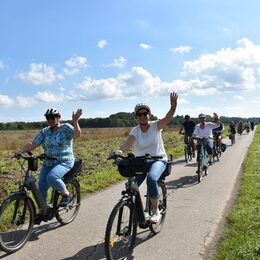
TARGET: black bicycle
(216,149)
(202,157)
(129,213)
(188,154)
(18,212)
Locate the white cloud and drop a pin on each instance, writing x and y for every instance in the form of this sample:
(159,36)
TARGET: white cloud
(180,49)
(119,63)
(6,101)
(49,97)
(40,74)
(76,61)
(233,108)
(145,46)
(2,65)
(25,102)
(256,101)
(70,72)
(228,69)
(239,98)
(101,44)
(227,31)
(182,101)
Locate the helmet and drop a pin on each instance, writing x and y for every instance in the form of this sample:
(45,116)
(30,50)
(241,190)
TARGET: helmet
(52,112)
(201,116)
(142,105)
(187,117)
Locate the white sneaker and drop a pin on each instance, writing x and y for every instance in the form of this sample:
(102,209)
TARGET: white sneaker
(156,216)
(147,215)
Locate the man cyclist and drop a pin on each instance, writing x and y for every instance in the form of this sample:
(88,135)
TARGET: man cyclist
(217,134)
(204,130)
(188,126)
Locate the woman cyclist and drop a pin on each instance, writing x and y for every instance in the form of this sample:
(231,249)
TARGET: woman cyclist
(146,138)
(57,141)
(204,130)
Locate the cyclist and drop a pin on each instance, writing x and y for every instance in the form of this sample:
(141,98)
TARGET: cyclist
(240,127)
(146,138)
(57,141)
(252,124)
(204,130)
(232,128)
(189,126)
(217,134)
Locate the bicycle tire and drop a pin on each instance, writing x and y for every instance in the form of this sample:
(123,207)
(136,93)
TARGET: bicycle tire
(119,243)
(199,171)
(157,227)
(186,153)
(67,214)
(16,222)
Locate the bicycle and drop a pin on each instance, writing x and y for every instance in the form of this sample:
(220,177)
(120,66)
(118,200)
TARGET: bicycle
(202,157)
(18,212)
(128,213)
(216,149)
(232,137)
(188,154)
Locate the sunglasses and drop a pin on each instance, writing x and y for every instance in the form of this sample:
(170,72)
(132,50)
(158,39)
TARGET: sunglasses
(142,114)
(51,117)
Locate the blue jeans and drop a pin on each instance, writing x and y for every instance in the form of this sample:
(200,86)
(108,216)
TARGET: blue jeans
(51,176)
(155,170)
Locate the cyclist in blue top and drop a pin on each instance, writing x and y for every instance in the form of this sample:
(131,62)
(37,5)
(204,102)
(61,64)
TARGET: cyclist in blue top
(57,141)
(189,126)
(217,133)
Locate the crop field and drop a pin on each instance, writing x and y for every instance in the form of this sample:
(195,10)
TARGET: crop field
(94,147)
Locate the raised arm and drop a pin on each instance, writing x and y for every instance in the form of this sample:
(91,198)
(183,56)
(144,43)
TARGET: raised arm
(163,122)
(75,118)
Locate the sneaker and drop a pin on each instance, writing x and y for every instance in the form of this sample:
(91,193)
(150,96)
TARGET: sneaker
(65,200)
(210,162)
(38,219)
(147,215)
(156,216)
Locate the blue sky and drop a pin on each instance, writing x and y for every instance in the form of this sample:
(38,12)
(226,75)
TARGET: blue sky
(106,56)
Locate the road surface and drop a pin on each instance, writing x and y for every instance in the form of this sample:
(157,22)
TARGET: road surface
(194,217)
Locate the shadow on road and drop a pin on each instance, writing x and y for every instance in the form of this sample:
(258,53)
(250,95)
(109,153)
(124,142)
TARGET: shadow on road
(38,230)
(97,252)
(182,182)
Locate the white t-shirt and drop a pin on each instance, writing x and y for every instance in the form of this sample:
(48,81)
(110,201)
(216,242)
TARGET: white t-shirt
(206,131)
(148,142)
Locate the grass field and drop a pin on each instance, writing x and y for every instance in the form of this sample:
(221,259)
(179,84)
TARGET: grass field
(241,240)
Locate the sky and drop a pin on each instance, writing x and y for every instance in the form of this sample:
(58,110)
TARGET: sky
(105,56)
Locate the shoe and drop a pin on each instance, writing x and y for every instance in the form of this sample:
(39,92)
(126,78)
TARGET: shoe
(65,200)
(210,162)
(156,216)
(38,219)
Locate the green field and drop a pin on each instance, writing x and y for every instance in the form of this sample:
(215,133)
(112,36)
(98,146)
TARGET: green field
(241,239)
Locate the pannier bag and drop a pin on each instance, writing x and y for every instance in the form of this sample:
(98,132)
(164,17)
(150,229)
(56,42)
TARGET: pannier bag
(130,167)
(168,169)
(77,167)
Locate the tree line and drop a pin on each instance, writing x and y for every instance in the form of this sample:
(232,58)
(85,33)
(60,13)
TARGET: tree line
(121,119)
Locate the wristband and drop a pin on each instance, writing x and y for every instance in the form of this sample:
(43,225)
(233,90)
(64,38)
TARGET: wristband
(21,151)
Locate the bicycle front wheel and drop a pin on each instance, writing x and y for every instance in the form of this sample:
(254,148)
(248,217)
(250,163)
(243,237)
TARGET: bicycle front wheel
(67,214)
(157,227)
(120,231)
(16,222)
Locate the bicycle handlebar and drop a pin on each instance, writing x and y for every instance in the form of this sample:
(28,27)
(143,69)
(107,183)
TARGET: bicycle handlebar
(41,157)
(131,155)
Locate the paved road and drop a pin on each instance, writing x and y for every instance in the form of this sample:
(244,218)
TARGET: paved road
(194,217)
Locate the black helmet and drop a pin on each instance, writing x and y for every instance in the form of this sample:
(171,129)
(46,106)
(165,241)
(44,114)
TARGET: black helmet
(52,112)
(187,117)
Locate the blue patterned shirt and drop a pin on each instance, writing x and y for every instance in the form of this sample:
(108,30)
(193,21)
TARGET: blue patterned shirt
(57,144)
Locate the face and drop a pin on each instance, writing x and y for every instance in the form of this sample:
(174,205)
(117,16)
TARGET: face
(202,119)
(143,116)
(53,120)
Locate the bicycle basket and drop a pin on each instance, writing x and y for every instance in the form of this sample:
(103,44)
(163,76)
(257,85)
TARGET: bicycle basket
(33,164)
(168,169)
(132,166)
(76,169)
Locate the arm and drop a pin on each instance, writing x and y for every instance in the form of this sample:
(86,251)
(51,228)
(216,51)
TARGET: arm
(75,118)
(28,147)
(181,129)
(128,143)
(163,122)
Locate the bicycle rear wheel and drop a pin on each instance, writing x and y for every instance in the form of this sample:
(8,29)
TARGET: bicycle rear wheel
(120,231)
(157,227)
(186,153)
(67,214)
(200,168)
(16,222)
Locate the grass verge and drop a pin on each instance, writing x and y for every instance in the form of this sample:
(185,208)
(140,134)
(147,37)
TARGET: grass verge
(241,239)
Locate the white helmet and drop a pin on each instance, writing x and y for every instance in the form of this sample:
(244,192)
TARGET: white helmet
(52,112)
(142,105)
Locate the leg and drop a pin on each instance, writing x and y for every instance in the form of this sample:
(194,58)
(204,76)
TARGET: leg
(209,148)
(43,183)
